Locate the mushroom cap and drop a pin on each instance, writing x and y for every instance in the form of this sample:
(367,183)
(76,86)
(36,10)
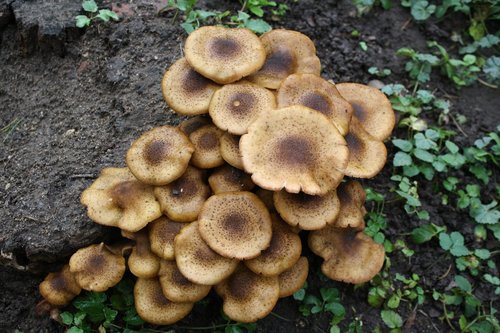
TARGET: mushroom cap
(182,199)
(59,288)
(367,155)
(96,268)
(224,55)
(117,198)
(318,94)
(308,212)
(230,150)
(352,205)
(186,91)
(372,108)
(235,224)
(235,106)
(294,278)
(296,149)
(153,307)
(160,156)
(142,262)
(287,52)
(229,179)
(350,256)
(266,197)
(247,296)
(206,141)
(191,124)
(176,287)
(197,261)
(162,233)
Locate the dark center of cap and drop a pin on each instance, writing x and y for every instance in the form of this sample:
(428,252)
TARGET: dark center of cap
(158,298)
(179,279)
(184,188)
(205,253)
(193,82)
(234,175)
(359,111)
(305,200)
(318,102)
(155,151)
(224,47)
(295,151)
(241,103)
(280,63)
(354,143)
(240,283)
(275,248)
(349,243)
(96,263)
(208,141)
(235,223)
(59,283)
(124,194)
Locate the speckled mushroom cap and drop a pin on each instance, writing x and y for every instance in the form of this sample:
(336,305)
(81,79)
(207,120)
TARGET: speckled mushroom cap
(229,179)
(186,91)
(230,150)
(296,149)
(160,156)
(224,55)
(153,307)
(372,108)
(142,262)
(96,268)
(318,94)
(59,288)
(287,52)
(162,233)
(191,124)
(235,224)
(367,155)
(197,261)
(118,199)
(235,106)
(308,212)
(206,141)
(247,296)
(352,205)
(182,199)
(294,278)
(176,287)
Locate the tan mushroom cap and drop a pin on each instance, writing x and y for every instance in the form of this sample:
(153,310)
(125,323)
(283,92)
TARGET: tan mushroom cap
(186,91)
(224,55)
(308,212)
(318,94)
(118,199)
(229,179)
(160,156)
(352,205)
(142,262)
(182,199)
(293,279)
(296,149)
(372,108)
(176,287)
(153,307)
(247,296)
(230,150)
(96,268)
(235,106)
(162,233)
(350,255)
(191,124)
(197,261)
(287,52)
(367,155)
(206,141)
(235,224)
(59,288)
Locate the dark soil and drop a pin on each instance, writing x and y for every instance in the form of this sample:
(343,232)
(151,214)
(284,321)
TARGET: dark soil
(81,99)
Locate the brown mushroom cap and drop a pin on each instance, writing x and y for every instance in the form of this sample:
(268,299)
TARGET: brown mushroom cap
(59,288)
(287,52)
(350,256)
(230,150)
(160,156)
(247,296)
(182,199)
(318,94)
(162,233)
(176,287)
(266,197)
(308,212)
(294,278)
(352,206)
(191,124)
(197,261)
(142,262)
(224,55)
(153,307)
(235,224)
(96,268)
(229,179)
(186,91)
(206,141)
(235,106)
(372,108)
(294,148)
(117,198)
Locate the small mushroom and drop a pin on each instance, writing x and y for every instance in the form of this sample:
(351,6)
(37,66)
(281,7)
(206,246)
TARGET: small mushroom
(59,288)
(162,233)
(230,150)
(191,124)
(294,278)
(229,179)
(142,262)
(352,206)
(206,141)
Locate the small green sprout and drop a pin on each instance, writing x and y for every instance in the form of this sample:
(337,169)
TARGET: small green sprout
(94,13)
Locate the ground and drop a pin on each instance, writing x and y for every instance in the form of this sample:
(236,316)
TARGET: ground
(80,97)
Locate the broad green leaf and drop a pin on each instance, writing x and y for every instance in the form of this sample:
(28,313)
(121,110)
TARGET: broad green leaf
(82,21)
(75,329)
(402,159)
(89,6)
(391,318)
(485,214)
(463,283)
(66,318)
(453,148)
(258,26)
(424,155)
(404,145)
(482,253)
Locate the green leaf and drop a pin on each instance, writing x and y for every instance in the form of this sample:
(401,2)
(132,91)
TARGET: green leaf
(391,318)
(492,69)
(89,6)
(410,200)
(66,318)
(402,159)
(411,170)
(329,294)
(425,233)
(424,155)
(453,148)
(394,301)
(485,214)
(482,253)
(82,21)
(188,27)
(258,26)
(106,14)
(494,280)
(75,329)
(404,145)
(335,308)
(463,283)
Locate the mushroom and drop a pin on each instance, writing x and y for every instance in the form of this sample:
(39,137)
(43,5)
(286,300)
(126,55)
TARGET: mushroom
(191,124)
(186,91)
(296,149)
(206,141)
(160,156)
(230,150)
(352,206)
(294,278)
(59,288)
(161,237)
(229,179)
(224,55)
(235,224)
(142,262)
(266,197)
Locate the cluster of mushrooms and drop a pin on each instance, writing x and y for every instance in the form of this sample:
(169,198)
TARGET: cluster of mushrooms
(219,201)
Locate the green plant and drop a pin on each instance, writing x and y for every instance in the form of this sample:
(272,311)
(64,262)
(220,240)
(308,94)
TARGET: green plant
(375,71)
(364,6)
(93,13)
